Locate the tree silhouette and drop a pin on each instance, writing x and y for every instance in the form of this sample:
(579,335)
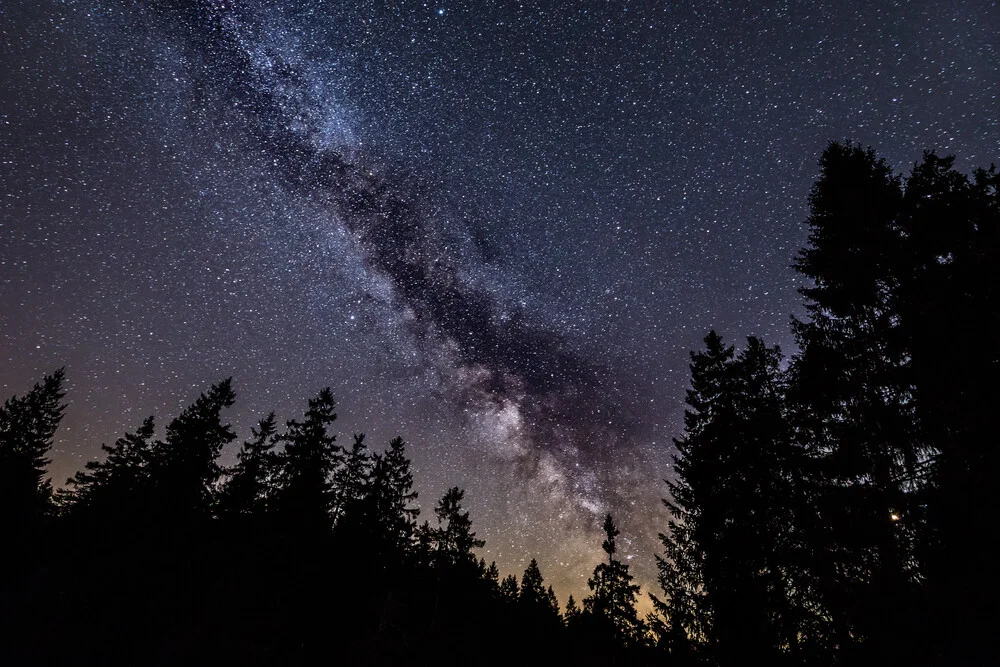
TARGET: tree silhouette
(248,483)
(853,399)
(303,497)
(183,467)
(509,589)
(27,426)
(613,595)
(453,538)
(350,478)
(114,490)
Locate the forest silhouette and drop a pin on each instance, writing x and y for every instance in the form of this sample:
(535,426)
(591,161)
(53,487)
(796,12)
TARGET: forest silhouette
(833,507)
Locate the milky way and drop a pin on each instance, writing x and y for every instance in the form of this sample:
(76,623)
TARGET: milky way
(496,229)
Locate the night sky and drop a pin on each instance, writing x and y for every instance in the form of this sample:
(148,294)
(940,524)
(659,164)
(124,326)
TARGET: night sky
(496,229)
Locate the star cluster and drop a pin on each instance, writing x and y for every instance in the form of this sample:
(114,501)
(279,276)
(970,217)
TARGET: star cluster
(493,228)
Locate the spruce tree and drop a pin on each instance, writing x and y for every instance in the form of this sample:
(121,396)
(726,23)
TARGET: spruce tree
(681,576)
(613,595)
(114,490)
(249,482)
(454,538)
(509,589)
(853,401)
(350,478)
(303,497)
(27,427)
(386,522)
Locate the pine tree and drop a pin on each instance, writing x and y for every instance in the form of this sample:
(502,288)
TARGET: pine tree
(509,589)
(249,482)
(853,400)
(453,538)
(388,520)
(350,478)
(303,497)
(572,611)
(27,427)
(114,490)
(685,608)
(613,595)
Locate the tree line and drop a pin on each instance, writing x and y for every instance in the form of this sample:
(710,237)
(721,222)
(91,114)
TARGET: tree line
(827,508)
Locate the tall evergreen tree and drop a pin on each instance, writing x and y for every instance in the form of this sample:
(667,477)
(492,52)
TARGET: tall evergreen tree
(116,489)
(386,522)
(454,538)
(853,399)
(685,608)
(183,466)
(613,595)
(249,482)
(351,477)
(537,601)
(509,590)
(27,427)
(303,498)
(948,292)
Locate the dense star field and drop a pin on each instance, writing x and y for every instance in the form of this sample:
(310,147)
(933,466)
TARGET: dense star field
(495,229)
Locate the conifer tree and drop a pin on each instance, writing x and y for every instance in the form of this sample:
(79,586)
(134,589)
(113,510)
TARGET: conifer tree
(952,231)
(685,608)
(248,483)
(350,478)
(572,611)
(509,589)
(183,467)
(27,427)
(537,601)
(388,520)
(303,497)
(454,538)
(115,489)
(613,595)
(853,399)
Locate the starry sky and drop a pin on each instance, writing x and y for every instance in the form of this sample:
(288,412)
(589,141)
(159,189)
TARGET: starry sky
(495,228)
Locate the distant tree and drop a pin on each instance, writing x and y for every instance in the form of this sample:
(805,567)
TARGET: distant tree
(453,538)
(303,497)
(537,602)
(613,595)
(249,482)
(491,575)
(27,427)
(183,467)
(509,589)
(350,478)
(572,611)
(116,489)
(386,520)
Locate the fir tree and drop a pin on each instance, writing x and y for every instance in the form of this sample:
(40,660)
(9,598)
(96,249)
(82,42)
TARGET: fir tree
(853,399)
(248,483)
(389,521)
(183,467)
(454,538)
(613,595)
(509,589)
(115,489)
(303,497)
(350,478)
(27,426)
